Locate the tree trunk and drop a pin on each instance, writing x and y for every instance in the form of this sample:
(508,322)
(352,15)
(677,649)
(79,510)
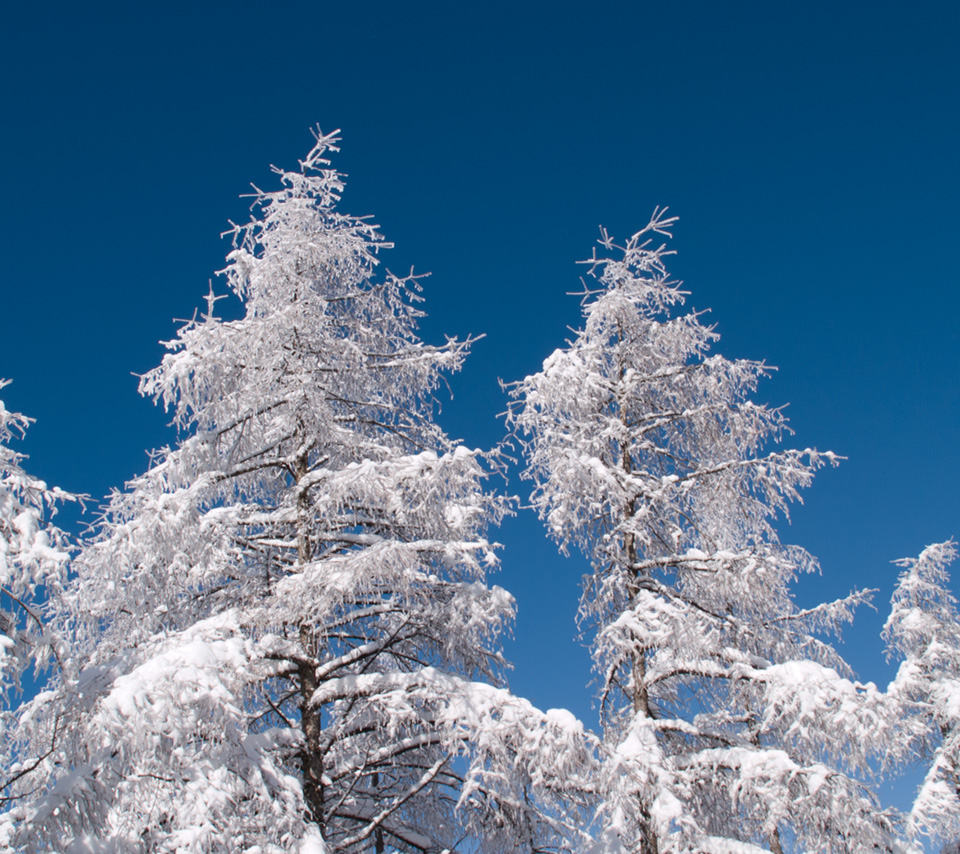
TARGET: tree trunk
(378,846)
(775,847)
(311,761)
(641,698)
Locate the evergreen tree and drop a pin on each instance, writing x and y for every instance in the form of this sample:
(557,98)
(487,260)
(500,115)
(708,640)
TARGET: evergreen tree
(730,724)
(289,641)
(34,555)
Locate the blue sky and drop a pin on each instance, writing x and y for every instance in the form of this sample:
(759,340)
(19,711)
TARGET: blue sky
(810,151)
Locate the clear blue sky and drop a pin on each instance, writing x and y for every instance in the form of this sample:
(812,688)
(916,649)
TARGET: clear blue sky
(809,149)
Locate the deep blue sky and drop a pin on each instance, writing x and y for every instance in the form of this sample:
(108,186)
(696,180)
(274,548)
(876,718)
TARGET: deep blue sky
(810,151)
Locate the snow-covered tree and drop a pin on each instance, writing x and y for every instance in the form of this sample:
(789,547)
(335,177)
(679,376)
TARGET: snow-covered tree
(33,555)
(33,559)
(290,642)
(730,722)
(923,630)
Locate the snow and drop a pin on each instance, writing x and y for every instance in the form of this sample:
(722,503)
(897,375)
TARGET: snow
(281,638)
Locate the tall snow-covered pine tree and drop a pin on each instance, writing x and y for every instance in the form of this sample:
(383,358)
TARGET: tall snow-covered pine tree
(291,645)
(730,724)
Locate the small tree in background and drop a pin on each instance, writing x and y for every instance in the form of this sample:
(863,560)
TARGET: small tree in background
(289,641)
(730,725)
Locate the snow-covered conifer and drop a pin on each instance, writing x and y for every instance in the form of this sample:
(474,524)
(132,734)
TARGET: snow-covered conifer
(923,630)
(33,560)
(731,724)
(33,556)
(291,645)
